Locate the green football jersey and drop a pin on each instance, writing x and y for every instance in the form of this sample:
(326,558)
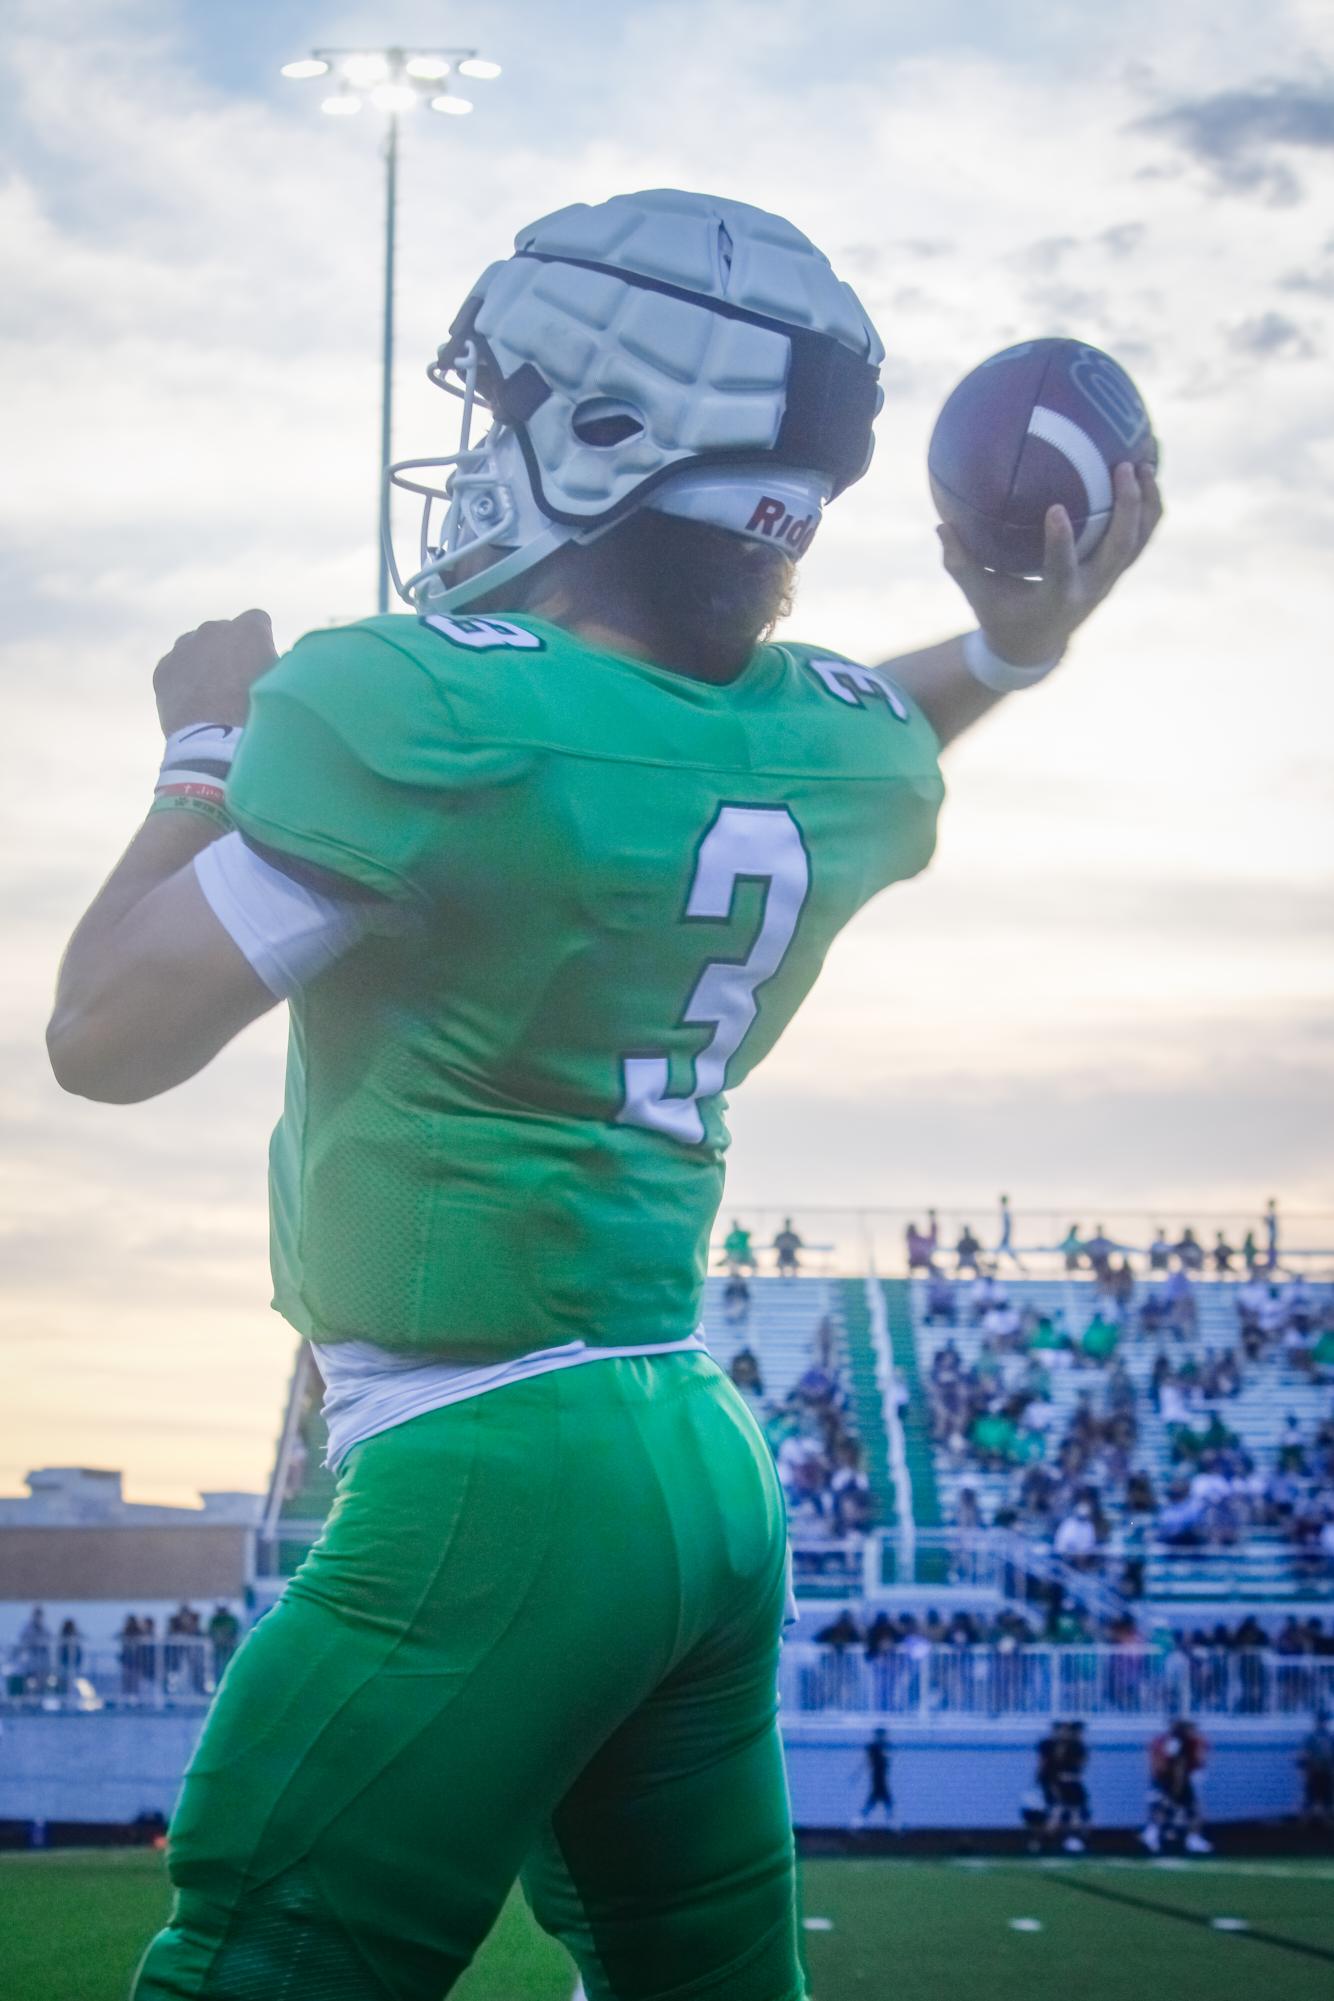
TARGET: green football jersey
(612,887)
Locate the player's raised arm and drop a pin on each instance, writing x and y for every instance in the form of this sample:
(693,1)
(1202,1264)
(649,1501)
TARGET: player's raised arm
(1024,626)
(152,984)
(1042,466)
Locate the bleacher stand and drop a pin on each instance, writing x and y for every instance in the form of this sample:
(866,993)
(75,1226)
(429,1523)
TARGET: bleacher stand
(1139,1428)
(785,1353)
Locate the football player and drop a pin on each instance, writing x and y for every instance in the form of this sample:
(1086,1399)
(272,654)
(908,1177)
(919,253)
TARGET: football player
(541,869)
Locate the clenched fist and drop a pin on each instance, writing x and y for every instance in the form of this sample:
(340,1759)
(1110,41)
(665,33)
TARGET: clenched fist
(206,677)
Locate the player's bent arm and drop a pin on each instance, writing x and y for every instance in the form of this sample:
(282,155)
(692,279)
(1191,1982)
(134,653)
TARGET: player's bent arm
(151,986)
(939,681)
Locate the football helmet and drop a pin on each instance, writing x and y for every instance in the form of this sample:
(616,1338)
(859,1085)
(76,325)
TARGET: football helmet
(661,349)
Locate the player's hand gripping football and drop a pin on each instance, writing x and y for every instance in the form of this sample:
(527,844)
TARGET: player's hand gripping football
(206,677)
(1027,622)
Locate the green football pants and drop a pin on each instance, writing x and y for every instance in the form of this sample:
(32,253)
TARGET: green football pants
(538,1636)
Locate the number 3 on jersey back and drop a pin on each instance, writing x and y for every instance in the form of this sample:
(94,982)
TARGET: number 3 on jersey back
(744,844)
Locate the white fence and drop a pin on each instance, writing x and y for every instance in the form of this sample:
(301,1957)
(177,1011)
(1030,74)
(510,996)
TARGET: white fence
(936,1684)
(139,1674)
(939,1684)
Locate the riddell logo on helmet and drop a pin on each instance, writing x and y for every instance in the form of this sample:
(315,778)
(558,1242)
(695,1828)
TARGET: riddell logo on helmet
(771,518)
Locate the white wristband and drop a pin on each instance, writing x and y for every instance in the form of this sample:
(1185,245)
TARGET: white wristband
(196,762)
(1002,676)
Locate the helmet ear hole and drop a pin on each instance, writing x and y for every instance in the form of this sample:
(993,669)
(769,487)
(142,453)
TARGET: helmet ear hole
(605,421)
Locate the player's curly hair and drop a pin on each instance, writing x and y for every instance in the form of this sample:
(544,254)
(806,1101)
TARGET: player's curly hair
(692,593)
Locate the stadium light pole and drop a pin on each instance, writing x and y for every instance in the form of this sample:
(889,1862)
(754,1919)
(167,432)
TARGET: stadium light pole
(394,81)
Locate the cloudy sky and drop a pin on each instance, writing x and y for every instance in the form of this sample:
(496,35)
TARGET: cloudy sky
(1110,991)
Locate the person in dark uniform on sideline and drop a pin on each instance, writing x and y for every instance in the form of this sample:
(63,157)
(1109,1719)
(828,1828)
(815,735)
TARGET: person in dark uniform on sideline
(879,1794)
(1072,1790)
(1316,1763)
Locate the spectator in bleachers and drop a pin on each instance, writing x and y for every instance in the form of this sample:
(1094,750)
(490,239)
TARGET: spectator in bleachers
(967,1250)
(1182,1313)
(1271,1235)
(841,1632)
(224,1636)
(736,1300)
(1003,1322)
(34,1656)
(128,1638)
(1005,1246)
(1250,1253)
(941,1302)
(851,1490)
(787,1246)
(1189,1251)
(1100,1338)
(946,1363)
(1071,1248)
(738,1250)
(921,1246)
(1050,1333)
(69,1651)
(744,1369)
(1098,1250)
(1223,1255)
(1076,1537)
(1121,1286)
(1160,1251)
(148,1653)
(881,1636)
(1299,1304)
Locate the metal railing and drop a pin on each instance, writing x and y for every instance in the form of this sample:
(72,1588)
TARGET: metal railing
(1025,1570)
(855,1240)
(139,1674)
(989,1683)
(931,1683)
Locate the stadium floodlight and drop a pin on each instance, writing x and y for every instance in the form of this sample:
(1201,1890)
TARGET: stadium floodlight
(395,97)
(393,81)
(364,71)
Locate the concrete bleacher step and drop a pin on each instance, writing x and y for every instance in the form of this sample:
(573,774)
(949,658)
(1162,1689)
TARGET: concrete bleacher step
(868,1407)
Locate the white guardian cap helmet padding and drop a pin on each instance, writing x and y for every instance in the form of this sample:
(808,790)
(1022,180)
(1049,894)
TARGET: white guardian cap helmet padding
(663,350)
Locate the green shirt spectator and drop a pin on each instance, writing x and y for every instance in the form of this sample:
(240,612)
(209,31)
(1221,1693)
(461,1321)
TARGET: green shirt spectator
(1100,1339)
(995,1435)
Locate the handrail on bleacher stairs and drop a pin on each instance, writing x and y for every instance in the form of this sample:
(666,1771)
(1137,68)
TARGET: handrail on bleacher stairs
(995,1561)
(944,1685)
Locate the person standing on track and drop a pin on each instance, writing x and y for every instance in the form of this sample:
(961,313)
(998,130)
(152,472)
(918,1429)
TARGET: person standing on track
(1177,1759)
(877,1756)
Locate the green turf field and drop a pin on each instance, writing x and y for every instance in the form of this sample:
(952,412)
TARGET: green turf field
(72,1924)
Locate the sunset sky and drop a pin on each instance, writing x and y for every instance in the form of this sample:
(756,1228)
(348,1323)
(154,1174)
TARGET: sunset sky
(1110,990)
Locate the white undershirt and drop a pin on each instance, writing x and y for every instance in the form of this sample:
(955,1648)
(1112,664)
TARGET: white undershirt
(369,1389)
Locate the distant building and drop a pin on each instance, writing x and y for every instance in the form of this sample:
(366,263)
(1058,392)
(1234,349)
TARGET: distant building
(77,1547)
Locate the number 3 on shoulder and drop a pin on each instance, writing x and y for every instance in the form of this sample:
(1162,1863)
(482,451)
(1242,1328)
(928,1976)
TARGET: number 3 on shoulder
(744,844)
